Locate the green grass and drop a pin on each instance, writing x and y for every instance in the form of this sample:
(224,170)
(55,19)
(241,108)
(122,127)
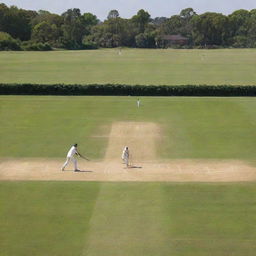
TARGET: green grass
(134,66)
(45,218)
(129,219)
(220,128)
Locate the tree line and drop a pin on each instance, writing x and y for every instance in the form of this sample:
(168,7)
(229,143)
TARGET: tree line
(31,30)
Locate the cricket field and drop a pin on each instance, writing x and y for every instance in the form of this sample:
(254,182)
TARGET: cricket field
(191,186)
(132,66)
(190,190)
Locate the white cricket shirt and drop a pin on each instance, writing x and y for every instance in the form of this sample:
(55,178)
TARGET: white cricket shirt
(72,152)
(125,154)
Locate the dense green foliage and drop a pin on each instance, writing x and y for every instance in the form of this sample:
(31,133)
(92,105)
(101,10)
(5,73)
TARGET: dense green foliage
(203,128)
(129,219)
(8,43)
(74,30)
(33,46)
(126,90)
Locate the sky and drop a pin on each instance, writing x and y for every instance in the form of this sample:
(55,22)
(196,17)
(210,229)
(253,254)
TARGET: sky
(128,8)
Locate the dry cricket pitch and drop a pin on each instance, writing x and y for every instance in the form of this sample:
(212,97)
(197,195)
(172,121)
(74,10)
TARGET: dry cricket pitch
(141,138)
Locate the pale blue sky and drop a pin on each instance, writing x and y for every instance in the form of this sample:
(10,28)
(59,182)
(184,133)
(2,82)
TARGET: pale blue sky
(128,8)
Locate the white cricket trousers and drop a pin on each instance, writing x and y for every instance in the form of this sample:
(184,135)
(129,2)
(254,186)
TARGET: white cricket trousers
(68,160)
(126,161)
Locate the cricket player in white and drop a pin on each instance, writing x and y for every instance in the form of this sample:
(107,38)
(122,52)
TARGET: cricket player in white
(125,156)
(71,156)
(138,103)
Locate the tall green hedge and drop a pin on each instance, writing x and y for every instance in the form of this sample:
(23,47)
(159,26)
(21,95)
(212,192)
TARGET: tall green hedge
(133,90)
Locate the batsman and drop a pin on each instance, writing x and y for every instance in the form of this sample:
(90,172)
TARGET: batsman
(125,156)
(71,156)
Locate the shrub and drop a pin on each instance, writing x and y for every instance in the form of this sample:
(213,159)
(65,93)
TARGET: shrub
(89,44)
(240,42)
(133,90)
(8,43)
(145,40)
(33,46)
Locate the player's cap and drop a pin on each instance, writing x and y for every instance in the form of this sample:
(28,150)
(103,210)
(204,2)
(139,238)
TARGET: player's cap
(75,145)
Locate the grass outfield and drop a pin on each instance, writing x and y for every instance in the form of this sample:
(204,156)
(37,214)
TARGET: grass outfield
(203,128)
(133,66)
(129,219)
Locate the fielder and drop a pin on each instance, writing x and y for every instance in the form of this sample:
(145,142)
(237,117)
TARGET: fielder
(71,156)
(125,156)
(138,103)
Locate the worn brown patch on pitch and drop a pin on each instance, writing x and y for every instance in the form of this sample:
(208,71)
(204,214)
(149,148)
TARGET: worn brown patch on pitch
(140,137)
(183,170)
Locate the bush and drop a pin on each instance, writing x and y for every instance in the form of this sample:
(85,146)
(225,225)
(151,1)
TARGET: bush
(89,44)
(33,46)
(133,90)
(240,42)
(145,40)
(8,43)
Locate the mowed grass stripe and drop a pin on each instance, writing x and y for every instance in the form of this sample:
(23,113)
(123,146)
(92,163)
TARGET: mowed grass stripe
(210,128)
(170,219)
(211,219)
(128,219)
(45,218)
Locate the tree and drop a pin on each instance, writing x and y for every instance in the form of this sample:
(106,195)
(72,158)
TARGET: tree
(158,21)
(113,14)
(3,12)
(8,43)
(251,36)
(145,40)
(88,20)
(108,34)
(238,21)
(45,32)
(187,13)
(42,32)
(16,21)
(72,29)
(47,27)
(141,19)
(173,25)
(48,17)
(76,27)
(210,29)
(71,16)
(187,26)
(238,27)
(113,26)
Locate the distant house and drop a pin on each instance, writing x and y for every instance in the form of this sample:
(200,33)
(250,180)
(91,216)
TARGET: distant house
(171,40)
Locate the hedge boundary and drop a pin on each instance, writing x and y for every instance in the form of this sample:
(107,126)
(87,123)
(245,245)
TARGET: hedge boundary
(132,90)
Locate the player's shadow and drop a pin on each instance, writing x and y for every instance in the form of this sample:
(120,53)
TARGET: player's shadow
(77,171)
(84,171)
(134,167)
